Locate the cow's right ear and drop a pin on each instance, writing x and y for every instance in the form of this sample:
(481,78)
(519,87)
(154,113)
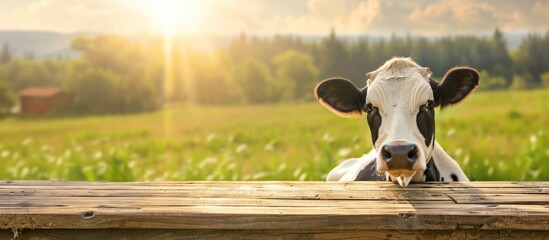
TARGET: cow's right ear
(456,85)
(341,96)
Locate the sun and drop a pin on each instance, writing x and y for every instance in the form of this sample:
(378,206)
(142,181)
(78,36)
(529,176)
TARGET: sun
(179,14)
(172,16)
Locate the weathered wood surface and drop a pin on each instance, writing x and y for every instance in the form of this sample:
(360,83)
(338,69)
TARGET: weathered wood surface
(173,210)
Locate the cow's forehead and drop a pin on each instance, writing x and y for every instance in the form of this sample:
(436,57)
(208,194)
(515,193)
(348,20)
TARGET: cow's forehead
(406,92)
(399,68)
(412,76)
(399,79)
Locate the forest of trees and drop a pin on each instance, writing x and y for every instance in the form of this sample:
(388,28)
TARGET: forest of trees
(119,75)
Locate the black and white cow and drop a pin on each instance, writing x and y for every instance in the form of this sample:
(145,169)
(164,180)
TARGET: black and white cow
(399,101)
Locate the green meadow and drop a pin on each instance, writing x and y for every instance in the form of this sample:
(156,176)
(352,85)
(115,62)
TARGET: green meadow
(493,135)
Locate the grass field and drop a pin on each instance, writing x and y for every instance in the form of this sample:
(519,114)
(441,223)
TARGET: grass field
(494,136)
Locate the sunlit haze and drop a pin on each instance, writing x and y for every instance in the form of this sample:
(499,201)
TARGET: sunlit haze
(426,17)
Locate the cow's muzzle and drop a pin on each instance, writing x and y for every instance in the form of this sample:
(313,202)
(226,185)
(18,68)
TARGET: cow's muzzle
(399,156)
(399,159)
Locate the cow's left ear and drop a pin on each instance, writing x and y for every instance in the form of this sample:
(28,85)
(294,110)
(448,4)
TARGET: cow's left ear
(456,85)
(341,96)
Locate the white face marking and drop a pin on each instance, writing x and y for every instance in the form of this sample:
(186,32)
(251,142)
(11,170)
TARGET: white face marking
(399,94)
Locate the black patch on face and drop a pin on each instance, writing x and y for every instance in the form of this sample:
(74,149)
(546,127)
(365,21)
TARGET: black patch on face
(454,177)
(374,121)
(369,173)
(431,172)
(426,122)
(434,85)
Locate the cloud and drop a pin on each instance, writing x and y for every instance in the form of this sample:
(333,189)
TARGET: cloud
(465,16)
(322,15)
(64,16)
(361,18)
(540,12)
(326,9)
(456,15)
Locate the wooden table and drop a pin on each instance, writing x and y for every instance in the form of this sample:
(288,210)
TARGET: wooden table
(271,210)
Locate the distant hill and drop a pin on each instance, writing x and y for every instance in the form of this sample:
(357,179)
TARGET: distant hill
(513,39)
(41,43)
(45,44)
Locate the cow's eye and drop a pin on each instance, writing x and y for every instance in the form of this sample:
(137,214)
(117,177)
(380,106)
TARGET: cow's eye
(369,107)
(430,104)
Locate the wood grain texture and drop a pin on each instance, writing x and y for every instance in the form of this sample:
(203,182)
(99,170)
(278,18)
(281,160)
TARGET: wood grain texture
(296,210)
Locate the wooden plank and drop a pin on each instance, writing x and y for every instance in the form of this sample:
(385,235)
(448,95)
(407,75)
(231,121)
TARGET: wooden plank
(283,191)
(532,189)
(162,219)
(408,192)
(231,217)
(234,193)
(122,202)
(28,202)
(455,209)
(472,210)
(500,198)
(160,234)
(484,184)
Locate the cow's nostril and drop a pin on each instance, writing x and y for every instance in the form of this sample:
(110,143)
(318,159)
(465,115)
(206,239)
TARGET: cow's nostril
(386,154)
(412,155)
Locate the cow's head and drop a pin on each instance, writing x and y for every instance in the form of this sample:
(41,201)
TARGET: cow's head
(399,101)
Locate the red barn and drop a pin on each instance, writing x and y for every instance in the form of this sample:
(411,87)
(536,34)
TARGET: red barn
(40,101)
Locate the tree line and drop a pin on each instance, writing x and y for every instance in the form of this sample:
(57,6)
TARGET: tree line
(119,75)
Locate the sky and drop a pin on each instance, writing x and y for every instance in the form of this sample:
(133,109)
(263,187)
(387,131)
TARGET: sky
(308,17)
